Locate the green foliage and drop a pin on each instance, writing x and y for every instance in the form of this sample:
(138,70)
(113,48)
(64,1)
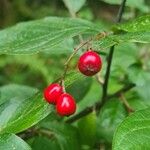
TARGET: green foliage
(134,31)
(74,6)
(41,35)
(65,135)
(87,130)
(81,86)
(19,112)
(91,97)
(140,24)
(131,3)
(133,132)
(142,80)
(47,43)
(10,91)
(139,37)
(111,115)
(11,141)
(44,143)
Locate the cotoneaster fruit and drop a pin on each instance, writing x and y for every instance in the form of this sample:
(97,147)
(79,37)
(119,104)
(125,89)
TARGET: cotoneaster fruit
(90,63)
(52,93)
(66,105)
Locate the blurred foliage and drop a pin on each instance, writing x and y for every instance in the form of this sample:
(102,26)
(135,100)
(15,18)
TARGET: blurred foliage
(21,74)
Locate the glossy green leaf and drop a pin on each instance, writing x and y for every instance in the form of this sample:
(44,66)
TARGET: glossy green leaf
(18,114)
(140,24)
(138,37)
(111,115)
(20,108)
(40,35)
(12,142)
(137,30)
(74,6)
(14,90)
(64,47)
(133,132)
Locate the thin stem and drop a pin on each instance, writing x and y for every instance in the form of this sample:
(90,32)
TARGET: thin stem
(44,132)
(126,104)
(72,55)
(105,85)
(110,56)
(63,86)
(98,36)
(99,104)
(121,11)
(99,79)
(34,131)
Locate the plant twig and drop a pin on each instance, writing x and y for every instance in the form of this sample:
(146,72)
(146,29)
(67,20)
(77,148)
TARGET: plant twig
(99,79)
(34,131)
(99,104)
(110,56)
(121,11)
(98,36)
(72,55)
(126,104)
(107,74)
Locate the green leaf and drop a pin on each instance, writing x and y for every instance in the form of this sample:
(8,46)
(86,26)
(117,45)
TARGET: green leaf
(12,142)
(136,101)
(133,132)
(74,6)
(18,114)
(72,77)
(123,52)
(137,30)
(92,96)
(140,24)
(42,35)
(109,118)
(67,46)
(142,80)
(65,134)
(138,37)
(13,90)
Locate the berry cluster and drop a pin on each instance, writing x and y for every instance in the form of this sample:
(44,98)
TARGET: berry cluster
(65,103)
(89,64)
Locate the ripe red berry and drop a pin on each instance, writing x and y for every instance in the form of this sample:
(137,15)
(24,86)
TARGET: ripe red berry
(66,105)
(52,93)
(90,63)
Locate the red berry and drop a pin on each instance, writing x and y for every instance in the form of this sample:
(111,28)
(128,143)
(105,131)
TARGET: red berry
(90,63)
(66,105)
(52,93)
